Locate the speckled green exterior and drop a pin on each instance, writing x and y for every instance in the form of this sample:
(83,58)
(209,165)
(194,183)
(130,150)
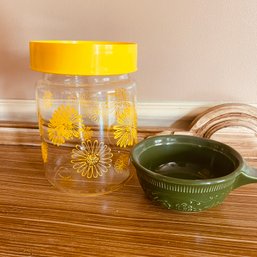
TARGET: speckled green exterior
(183,197)
(188,195)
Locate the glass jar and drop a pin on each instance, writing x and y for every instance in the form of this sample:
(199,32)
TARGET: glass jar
(86,113)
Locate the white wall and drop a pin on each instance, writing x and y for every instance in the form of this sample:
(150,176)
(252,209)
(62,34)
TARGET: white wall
(189,50)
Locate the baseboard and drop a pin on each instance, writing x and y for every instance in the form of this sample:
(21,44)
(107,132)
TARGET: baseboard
(18,110)
(166,114)
(149,114)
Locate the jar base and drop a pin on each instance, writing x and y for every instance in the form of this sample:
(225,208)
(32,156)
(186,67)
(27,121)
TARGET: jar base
(86,187)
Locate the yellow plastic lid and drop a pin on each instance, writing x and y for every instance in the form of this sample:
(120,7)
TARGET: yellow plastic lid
(83,57)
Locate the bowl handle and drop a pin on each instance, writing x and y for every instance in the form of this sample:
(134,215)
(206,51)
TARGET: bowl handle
(246,176)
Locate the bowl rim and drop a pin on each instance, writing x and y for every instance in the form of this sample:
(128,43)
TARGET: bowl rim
(186,138)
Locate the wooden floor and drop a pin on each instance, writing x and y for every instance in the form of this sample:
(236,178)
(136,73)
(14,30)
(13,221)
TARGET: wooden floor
(37,220)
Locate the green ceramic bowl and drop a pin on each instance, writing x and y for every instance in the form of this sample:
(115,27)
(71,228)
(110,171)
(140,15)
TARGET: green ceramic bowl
(187,173)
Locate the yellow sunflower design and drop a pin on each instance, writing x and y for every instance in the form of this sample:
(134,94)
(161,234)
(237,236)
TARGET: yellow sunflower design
(40,125)
(94,113)
(121,100)
(47,99)
(78,97)
(121,95)
(121,164)
(65,124)
(91,110)
(88,133)
(99,112)
(64,175)
(92,159)
(44,151)
(126,130)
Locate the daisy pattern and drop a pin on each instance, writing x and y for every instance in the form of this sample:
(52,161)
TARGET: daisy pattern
(44,151)
(99,112)
(121,164)
(126,130)
(92,159)
(121,100)
(78,97)
(91,110)
(64,177)
(88,133)
(121,95)
(47,99)
(65,124)
(40,125)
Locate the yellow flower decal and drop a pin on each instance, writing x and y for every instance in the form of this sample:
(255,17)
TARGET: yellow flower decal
(92,159)
(64,177)
(126,130)
(121,164)
(47,99)
(98,112)
(66,181)
(40,125)
(91,110)
(65,124)
(121,94)
(44,151)
(121,100)
(79,97)
(94,114)
(88,133)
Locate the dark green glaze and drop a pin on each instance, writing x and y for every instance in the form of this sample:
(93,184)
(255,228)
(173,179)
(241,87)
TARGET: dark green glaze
(187,173)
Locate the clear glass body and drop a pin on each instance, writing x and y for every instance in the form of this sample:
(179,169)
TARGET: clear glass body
(87,126)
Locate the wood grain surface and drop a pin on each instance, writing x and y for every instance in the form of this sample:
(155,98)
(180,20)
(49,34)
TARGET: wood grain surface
(37,220)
